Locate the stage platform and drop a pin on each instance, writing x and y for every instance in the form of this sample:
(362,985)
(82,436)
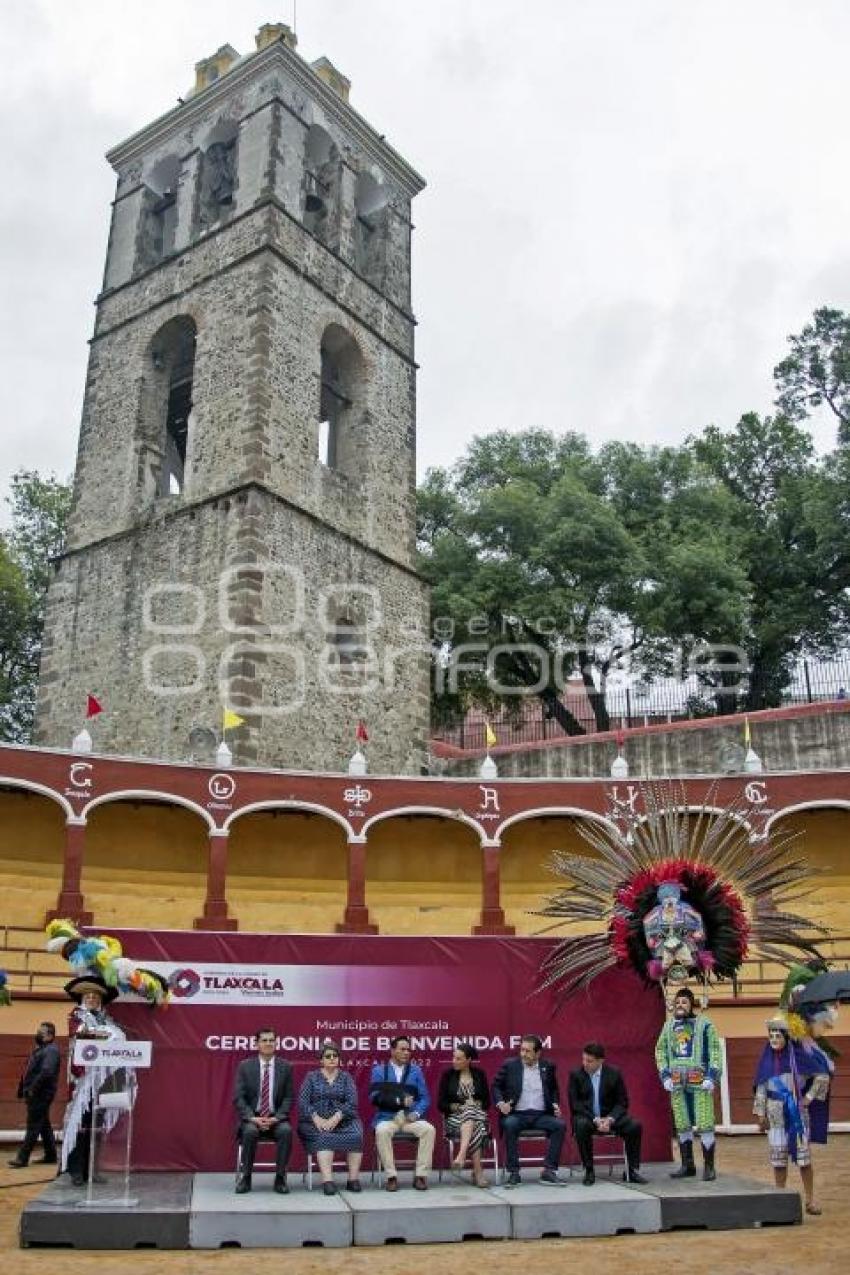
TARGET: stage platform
(201,1211)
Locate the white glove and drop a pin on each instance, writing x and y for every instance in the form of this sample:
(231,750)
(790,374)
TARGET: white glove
(707,1085)
(668,1084)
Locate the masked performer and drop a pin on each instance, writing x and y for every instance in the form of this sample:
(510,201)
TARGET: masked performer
(791,1088)
(689,1064)
(678,893)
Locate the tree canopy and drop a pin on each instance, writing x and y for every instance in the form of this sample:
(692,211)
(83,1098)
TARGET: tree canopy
(39,511)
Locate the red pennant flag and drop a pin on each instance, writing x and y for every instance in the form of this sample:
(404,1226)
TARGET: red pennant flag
(93,706)
(362,735)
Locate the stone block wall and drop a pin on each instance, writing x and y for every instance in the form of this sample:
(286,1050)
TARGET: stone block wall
(233,600)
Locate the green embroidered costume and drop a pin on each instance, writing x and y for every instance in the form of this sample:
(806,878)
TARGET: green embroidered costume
(688,1054)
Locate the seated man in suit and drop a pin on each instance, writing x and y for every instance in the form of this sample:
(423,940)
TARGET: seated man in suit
(399,1091)
(526,1094)
(263,1097)
(600,1104)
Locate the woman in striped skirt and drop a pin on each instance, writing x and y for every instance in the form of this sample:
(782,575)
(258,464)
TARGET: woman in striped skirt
(463,1098)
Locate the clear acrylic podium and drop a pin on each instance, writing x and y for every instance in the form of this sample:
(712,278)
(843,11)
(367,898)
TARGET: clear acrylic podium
(113,1065)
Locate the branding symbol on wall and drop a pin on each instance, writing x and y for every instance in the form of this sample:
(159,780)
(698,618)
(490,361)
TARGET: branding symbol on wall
(756,792)
(222,787)
(80,780)
(185,982)
(90,1052)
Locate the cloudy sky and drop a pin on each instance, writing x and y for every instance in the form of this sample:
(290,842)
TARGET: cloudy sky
(631,203)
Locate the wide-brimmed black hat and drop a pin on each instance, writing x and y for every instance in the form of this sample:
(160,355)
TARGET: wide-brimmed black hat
(77,987)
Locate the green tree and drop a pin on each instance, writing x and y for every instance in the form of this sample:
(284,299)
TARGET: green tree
(565,559)
(39,511)
(794,551)
(817,371)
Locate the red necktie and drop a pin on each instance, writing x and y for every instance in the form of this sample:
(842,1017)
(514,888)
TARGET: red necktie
(265,1092)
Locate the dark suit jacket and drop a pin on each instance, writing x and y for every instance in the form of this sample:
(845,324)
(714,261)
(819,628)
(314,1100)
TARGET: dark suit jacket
(450,1082)
(246,1092)
(41,1077)
(613,1098)
(507,1085)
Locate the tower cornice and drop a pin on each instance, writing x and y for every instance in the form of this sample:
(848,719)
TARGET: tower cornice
(196,108)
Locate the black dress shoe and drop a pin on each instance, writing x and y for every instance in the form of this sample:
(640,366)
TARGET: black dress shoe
(18,1164)
(548,1175)
(77,1179)
(353,1185)
(637,1178)
(328,1188)
(282,1188)
(243,1186)
(589,1178)
(514,1178)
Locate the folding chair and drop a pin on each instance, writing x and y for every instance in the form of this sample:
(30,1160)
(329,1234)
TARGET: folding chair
(402,1137)
(489,1153)
(528,1161)
(266,1165)
(614,1156)
(340,1161)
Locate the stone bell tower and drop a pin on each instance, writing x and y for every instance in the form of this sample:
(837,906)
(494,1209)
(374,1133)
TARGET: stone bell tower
(243,524)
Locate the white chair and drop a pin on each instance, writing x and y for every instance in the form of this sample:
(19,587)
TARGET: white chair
(489,1153)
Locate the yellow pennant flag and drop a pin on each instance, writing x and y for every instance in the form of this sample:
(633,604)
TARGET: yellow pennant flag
(490,735)
(231,720)
(746,732)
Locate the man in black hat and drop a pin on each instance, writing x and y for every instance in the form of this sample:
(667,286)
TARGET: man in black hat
(38,1087)
(89,1021)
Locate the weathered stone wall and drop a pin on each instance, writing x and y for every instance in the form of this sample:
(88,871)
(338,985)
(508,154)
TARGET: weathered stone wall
(818,739)
(257,510)
(230,602)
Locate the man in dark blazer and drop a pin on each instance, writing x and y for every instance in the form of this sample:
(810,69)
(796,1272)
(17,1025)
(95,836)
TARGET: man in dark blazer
(599,1103)
(38,1087)
(526,1094)
(263,1097)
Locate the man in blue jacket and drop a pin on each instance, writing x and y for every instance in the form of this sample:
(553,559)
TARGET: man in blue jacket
(526,1094)
(397,1088)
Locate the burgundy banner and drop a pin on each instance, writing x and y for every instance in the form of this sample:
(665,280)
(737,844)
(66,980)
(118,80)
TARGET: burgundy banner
(360,991)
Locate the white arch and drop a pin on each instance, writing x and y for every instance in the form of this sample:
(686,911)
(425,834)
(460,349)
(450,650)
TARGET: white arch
(440,812)
(30,786)
(303,807)
(545,812)
(150,794)
(836,804)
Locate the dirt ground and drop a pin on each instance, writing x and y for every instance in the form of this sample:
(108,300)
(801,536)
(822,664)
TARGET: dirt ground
(819,1245)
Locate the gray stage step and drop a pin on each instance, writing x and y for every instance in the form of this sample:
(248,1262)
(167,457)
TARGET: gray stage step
(159,1219)
(607,1208)
(262,1219)
(442,1215)
(729,1203)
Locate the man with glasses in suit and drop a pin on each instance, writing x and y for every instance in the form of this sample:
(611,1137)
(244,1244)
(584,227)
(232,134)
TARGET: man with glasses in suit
(263,1098)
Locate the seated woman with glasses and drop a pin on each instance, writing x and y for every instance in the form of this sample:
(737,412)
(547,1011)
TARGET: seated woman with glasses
(327,1118)
(463,1098)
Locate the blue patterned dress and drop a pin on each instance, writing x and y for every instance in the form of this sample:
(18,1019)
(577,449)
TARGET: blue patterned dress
(320,1098)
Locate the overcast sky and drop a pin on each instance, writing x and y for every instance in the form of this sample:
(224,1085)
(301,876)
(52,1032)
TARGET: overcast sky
(630,203)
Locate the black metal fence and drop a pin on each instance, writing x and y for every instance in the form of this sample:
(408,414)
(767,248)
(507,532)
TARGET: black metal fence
(528,720)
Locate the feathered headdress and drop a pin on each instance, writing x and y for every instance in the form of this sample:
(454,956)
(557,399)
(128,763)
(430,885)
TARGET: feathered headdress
(103,957)
(807,1021)
(677,892)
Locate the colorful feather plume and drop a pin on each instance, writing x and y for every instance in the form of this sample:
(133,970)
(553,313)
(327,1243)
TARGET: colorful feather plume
(102,955)
(726,895)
